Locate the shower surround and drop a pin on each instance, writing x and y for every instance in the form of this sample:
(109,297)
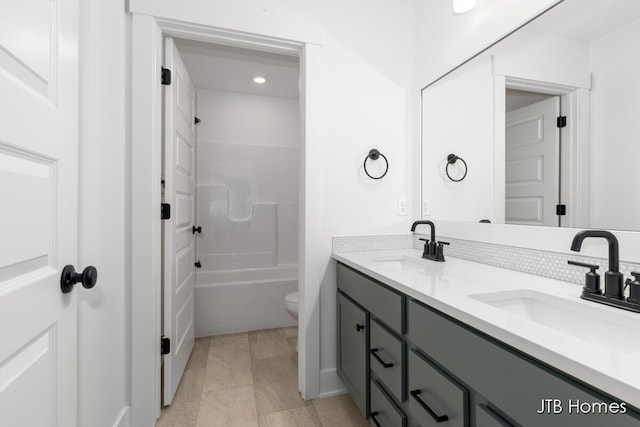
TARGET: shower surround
(247,206)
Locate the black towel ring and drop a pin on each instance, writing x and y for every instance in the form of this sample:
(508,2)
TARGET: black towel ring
(374,155)
(452,159)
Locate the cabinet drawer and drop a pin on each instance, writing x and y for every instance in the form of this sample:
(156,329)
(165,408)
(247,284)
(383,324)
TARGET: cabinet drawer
(485,417)
(435,399)
(508,379)
(386,358)
(385,413)
(382,302)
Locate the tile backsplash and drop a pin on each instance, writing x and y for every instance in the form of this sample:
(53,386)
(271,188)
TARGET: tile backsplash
(372,243)
(541,263)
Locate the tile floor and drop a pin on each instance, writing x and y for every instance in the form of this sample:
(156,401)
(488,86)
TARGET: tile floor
(251,379)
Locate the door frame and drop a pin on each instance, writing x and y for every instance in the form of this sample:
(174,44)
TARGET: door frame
(147,33)
(574,145)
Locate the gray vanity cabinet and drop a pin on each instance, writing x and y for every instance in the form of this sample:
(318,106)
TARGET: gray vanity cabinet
(408,365)
(352,350)
(515,384)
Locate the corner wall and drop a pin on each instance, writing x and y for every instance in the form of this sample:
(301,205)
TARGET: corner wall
(611,174)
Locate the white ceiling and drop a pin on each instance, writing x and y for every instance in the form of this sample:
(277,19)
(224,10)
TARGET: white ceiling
(232,69)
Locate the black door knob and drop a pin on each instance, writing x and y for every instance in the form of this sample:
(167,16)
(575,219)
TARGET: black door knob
(359,327)
(69,278)
(195,229)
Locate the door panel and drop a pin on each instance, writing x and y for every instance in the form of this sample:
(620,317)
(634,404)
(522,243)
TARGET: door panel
(38,219)
(352,350)
(532,171)
(179,249)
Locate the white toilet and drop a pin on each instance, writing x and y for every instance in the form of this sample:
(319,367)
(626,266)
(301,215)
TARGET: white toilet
(291,302)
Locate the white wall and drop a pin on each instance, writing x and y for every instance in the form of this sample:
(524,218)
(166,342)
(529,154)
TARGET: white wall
(615,129)
(445,40)
(457,118)
(103,318)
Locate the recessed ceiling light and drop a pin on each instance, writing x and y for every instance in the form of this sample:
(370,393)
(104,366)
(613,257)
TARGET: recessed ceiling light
(463,6)
(260,80)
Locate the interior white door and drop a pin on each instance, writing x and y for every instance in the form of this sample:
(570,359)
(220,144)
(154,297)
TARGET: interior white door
(532,170)
(38,219)
(178,240)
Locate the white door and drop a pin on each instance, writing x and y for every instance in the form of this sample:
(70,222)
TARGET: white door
(38,218)
(179,247)
(532,171)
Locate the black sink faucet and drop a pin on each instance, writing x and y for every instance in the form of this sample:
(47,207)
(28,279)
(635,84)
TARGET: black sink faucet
(613,290)
(613,278)
(432,250)
(430,224)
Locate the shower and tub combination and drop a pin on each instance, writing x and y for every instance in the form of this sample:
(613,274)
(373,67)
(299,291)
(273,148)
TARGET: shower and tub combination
(247,208)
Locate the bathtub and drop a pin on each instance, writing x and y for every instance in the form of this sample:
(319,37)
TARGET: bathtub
(246,299)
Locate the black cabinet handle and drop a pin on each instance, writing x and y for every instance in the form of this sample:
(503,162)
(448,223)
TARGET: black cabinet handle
(195,229)
(437,418)
(373,417)
(359,327)
(374,353)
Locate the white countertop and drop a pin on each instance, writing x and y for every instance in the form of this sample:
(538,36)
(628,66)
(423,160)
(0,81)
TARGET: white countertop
(609,364)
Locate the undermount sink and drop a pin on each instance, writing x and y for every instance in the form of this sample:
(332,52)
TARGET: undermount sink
(596,325)
(402,263)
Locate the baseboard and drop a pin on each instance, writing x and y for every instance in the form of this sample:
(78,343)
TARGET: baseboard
(330,383)
(124,419)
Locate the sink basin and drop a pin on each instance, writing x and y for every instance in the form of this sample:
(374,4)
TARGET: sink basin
(402,263)
(594,324)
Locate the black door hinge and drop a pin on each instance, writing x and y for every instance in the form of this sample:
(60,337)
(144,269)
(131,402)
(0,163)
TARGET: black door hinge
(561,121)
(165,211)
(561,210)
(165,76)
(165,345)
(196,120)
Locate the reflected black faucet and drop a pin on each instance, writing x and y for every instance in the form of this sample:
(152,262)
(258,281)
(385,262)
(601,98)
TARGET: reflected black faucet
(432,251)
(614,257)
(613,290)
(613,278)
(430,224)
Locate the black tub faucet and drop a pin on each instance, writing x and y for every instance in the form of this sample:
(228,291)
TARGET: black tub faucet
(613,290)
(432,250)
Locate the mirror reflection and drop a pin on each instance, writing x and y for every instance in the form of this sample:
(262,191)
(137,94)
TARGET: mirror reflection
(548,122)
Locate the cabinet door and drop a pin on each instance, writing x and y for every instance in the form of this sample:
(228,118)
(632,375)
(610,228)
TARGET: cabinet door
(353,329)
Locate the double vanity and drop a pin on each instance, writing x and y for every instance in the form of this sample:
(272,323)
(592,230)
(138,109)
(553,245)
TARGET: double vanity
(460,343)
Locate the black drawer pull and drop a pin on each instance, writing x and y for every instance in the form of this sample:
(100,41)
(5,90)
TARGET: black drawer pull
(437,418)
(359,327)
(374,353)
(373,417)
